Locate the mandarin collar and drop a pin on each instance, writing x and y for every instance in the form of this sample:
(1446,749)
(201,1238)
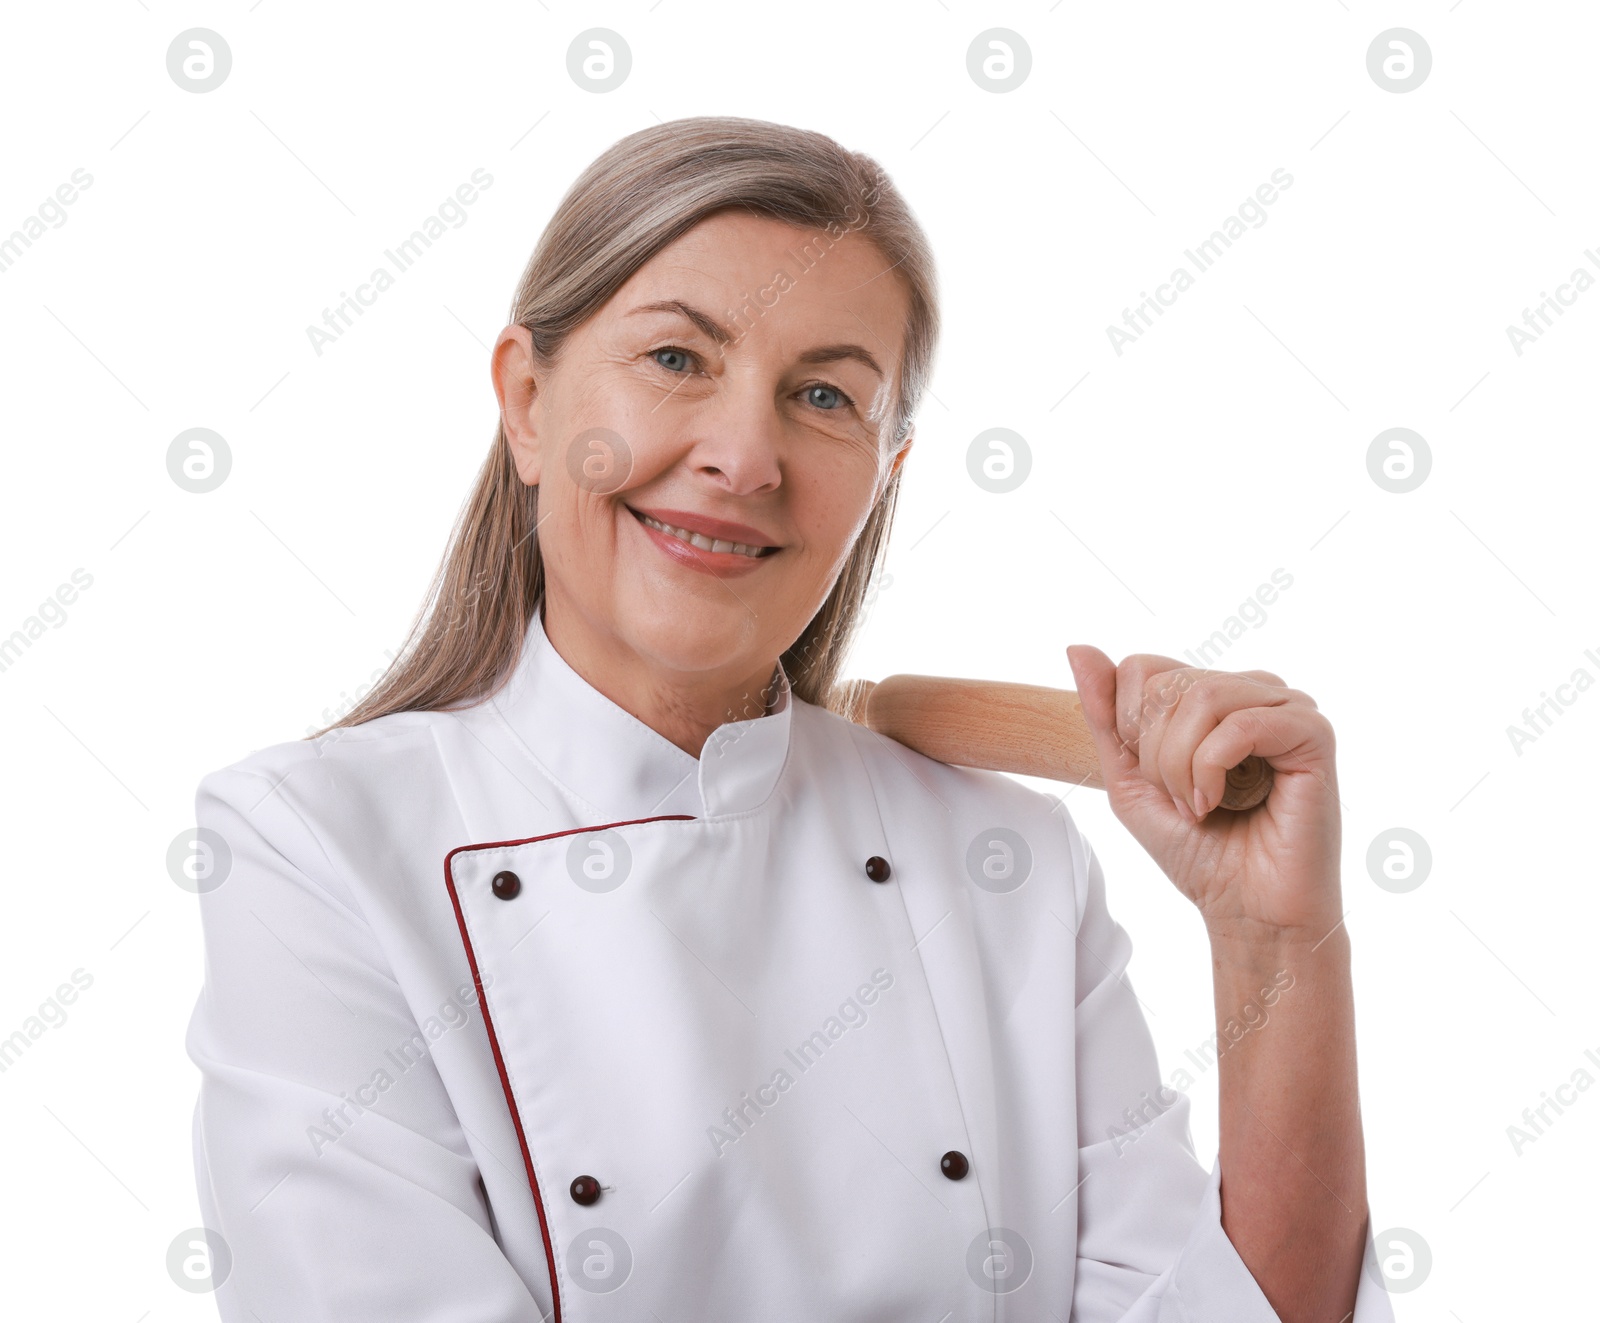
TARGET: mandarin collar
(616,766)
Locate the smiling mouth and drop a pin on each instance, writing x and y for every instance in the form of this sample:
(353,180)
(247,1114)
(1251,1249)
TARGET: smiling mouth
(700,540)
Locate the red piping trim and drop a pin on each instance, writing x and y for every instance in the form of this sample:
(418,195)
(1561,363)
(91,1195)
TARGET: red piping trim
(494,1042)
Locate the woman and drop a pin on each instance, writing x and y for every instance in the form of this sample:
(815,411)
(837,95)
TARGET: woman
(598,967)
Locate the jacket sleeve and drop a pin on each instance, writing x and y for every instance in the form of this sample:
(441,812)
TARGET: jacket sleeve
(338,1197)
(1151,1247)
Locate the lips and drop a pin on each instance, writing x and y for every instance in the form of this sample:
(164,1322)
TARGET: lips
(714,536)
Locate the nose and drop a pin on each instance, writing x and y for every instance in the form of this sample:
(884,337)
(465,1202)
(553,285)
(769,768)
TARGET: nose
(737,441)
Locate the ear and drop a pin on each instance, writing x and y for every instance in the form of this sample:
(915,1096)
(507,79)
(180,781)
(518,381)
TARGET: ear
(511,369)
(887,476)
(905,450)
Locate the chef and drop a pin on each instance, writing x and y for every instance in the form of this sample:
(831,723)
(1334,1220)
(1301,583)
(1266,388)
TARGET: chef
(598,967)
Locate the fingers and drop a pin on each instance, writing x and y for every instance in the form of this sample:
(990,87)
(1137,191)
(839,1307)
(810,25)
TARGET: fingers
(1275,733)
(1181,728)
(1096,679)
(1145,694)
(1167,751)
(1166,710)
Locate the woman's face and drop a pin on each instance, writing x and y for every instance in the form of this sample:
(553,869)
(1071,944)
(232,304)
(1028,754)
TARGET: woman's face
(723,390)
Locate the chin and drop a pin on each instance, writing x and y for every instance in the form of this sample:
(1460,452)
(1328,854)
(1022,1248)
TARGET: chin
(685,635)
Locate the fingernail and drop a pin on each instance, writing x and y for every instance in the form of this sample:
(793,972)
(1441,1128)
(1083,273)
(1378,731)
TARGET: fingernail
(1184,811)
(1199,803)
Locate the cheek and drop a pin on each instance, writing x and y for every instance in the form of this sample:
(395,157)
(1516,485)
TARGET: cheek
(831,505)
(577,530)
(608,444)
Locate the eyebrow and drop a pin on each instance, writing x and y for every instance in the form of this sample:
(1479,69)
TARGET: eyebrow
(722,336)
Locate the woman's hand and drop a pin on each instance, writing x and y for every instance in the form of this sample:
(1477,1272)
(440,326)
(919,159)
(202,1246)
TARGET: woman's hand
(1166,735)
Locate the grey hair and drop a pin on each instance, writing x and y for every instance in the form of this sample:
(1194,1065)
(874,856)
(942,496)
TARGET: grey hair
(634,199)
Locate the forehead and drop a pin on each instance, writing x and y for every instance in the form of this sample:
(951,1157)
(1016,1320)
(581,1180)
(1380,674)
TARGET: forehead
(784,284)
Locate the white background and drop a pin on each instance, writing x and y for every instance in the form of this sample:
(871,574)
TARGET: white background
(1168,482)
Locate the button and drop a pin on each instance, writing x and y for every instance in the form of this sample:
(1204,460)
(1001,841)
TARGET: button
(953,1165)
(585,1190)
(878,868)
(506,885)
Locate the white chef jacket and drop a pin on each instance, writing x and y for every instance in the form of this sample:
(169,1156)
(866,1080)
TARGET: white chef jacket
(457,961)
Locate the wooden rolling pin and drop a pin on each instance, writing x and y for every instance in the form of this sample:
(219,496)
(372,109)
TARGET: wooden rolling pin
(1031,730)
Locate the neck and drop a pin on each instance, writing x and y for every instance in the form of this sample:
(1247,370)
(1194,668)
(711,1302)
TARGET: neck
(681,706)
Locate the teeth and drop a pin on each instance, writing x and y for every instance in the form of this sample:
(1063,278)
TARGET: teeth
(700,539)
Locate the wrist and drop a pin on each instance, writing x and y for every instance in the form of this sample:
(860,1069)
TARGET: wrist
(1250,945)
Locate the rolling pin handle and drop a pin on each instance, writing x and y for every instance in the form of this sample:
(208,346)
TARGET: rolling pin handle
(1247,785)
(1027,730)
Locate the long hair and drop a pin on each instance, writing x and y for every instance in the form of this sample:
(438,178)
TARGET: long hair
(637,197)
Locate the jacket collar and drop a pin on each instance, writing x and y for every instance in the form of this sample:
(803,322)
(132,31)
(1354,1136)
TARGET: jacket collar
(618,767)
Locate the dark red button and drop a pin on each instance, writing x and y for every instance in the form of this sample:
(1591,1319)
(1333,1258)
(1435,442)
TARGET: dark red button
(878,868)
(506,885)
(585,1190)
(953,1165)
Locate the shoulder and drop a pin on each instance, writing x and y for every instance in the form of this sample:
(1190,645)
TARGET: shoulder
(298,795)
(345,751)
(944,798)
(899,766)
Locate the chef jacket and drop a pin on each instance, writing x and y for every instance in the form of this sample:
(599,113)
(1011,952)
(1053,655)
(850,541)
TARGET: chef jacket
(518,1011)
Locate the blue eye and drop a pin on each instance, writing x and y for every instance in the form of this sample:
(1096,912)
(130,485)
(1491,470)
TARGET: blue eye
(841,400)
(844,400)
(671,349)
